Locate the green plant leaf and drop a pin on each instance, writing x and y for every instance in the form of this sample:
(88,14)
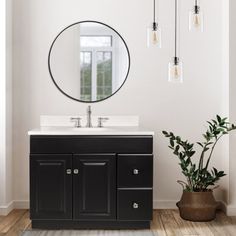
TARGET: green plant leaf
(172,144)
(165,133)
(218,118)
(200,144)
(215,122)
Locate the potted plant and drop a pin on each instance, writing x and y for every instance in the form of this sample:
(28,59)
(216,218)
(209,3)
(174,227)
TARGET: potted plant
(197,202)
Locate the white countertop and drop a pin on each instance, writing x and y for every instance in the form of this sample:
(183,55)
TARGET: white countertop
(133,130)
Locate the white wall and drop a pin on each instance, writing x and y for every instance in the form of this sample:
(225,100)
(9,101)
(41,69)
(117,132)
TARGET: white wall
(232,99)
(161,105)
(3,104)
(6,107)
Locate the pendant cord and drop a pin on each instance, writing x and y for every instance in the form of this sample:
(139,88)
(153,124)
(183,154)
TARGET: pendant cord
(195,2)
(154,10)
(176,9)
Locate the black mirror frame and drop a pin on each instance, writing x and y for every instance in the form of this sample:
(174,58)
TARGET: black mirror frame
(49,56)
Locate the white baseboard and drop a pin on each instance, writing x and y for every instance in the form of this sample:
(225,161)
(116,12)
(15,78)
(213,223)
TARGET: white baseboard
(231,210)
(22,204)
(5,210)
(163,204)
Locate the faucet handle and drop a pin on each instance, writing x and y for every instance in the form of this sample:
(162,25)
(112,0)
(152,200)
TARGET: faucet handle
(101,120)
(77,121)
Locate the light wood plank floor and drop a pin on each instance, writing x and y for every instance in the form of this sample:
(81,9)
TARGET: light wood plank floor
(165,223)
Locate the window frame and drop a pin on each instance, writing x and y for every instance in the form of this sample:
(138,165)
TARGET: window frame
(94,51)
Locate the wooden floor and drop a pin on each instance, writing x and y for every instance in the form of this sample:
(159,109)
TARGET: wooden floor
(165,223)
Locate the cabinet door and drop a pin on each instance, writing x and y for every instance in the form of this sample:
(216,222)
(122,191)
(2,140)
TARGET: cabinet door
(51,186)
(94,186)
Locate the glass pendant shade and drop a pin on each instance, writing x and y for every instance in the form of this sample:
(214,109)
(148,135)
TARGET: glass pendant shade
(196,20)
(175,71)
(154,36)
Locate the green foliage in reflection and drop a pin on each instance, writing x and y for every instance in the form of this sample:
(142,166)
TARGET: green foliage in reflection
(86,83)
(104,79)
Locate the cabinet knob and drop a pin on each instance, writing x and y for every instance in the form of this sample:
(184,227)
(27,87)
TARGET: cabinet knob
(76,171)
(135,205)
(135,171)
(68,171)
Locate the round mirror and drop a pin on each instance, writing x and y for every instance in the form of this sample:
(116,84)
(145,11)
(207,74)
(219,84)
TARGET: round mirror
(89,61)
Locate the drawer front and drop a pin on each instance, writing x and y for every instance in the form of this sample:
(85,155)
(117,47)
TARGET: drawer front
(134,205)
(135,171)
(91,144)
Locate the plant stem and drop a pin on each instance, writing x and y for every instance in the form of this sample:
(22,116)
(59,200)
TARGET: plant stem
(212,149)
(200,165)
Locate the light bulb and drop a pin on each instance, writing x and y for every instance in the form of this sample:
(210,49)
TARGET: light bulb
(175,71)
(154,36)
(196,20)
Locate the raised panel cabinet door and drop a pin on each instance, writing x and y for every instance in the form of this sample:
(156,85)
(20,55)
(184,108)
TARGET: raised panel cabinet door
(51,186)
(94,186)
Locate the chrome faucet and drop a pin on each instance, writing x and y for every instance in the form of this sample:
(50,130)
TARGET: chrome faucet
(89,117)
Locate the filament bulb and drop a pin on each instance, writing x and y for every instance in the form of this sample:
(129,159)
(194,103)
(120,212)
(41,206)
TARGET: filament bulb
(196,20)
(176,72)
(154,37)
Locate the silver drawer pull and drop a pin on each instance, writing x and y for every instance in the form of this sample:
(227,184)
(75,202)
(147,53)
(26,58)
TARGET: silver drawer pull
(135,171)
(76,171)
(135,205)
(68,171)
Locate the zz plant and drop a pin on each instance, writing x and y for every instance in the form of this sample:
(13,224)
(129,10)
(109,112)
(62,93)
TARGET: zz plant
(199,176)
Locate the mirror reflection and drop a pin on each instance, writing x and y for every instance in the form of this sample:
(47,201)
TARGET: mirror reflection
(89,61)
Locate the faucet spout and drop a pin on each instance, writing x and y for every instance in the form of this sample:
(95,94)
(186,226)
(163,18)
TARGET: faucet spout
(89,117)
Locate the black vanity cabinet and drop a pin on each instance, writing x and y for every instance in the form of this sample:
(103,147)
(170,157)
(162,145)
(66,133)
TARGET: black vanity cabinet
(91,181)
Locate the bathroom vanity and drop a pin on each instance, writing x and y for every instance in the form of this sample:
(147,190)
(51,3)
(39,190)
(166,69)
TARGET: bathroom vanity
(91,179)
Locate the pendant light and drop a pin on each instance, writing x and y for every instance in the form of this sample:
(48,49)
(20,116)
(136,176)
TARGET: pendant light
(154,31)
(196,18)
(175,73)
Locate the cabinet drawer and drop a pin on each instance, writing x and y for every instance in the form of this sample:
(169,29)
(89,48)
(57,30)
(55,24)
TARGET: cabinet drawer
(135,170)
(134,205)
(83,144)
